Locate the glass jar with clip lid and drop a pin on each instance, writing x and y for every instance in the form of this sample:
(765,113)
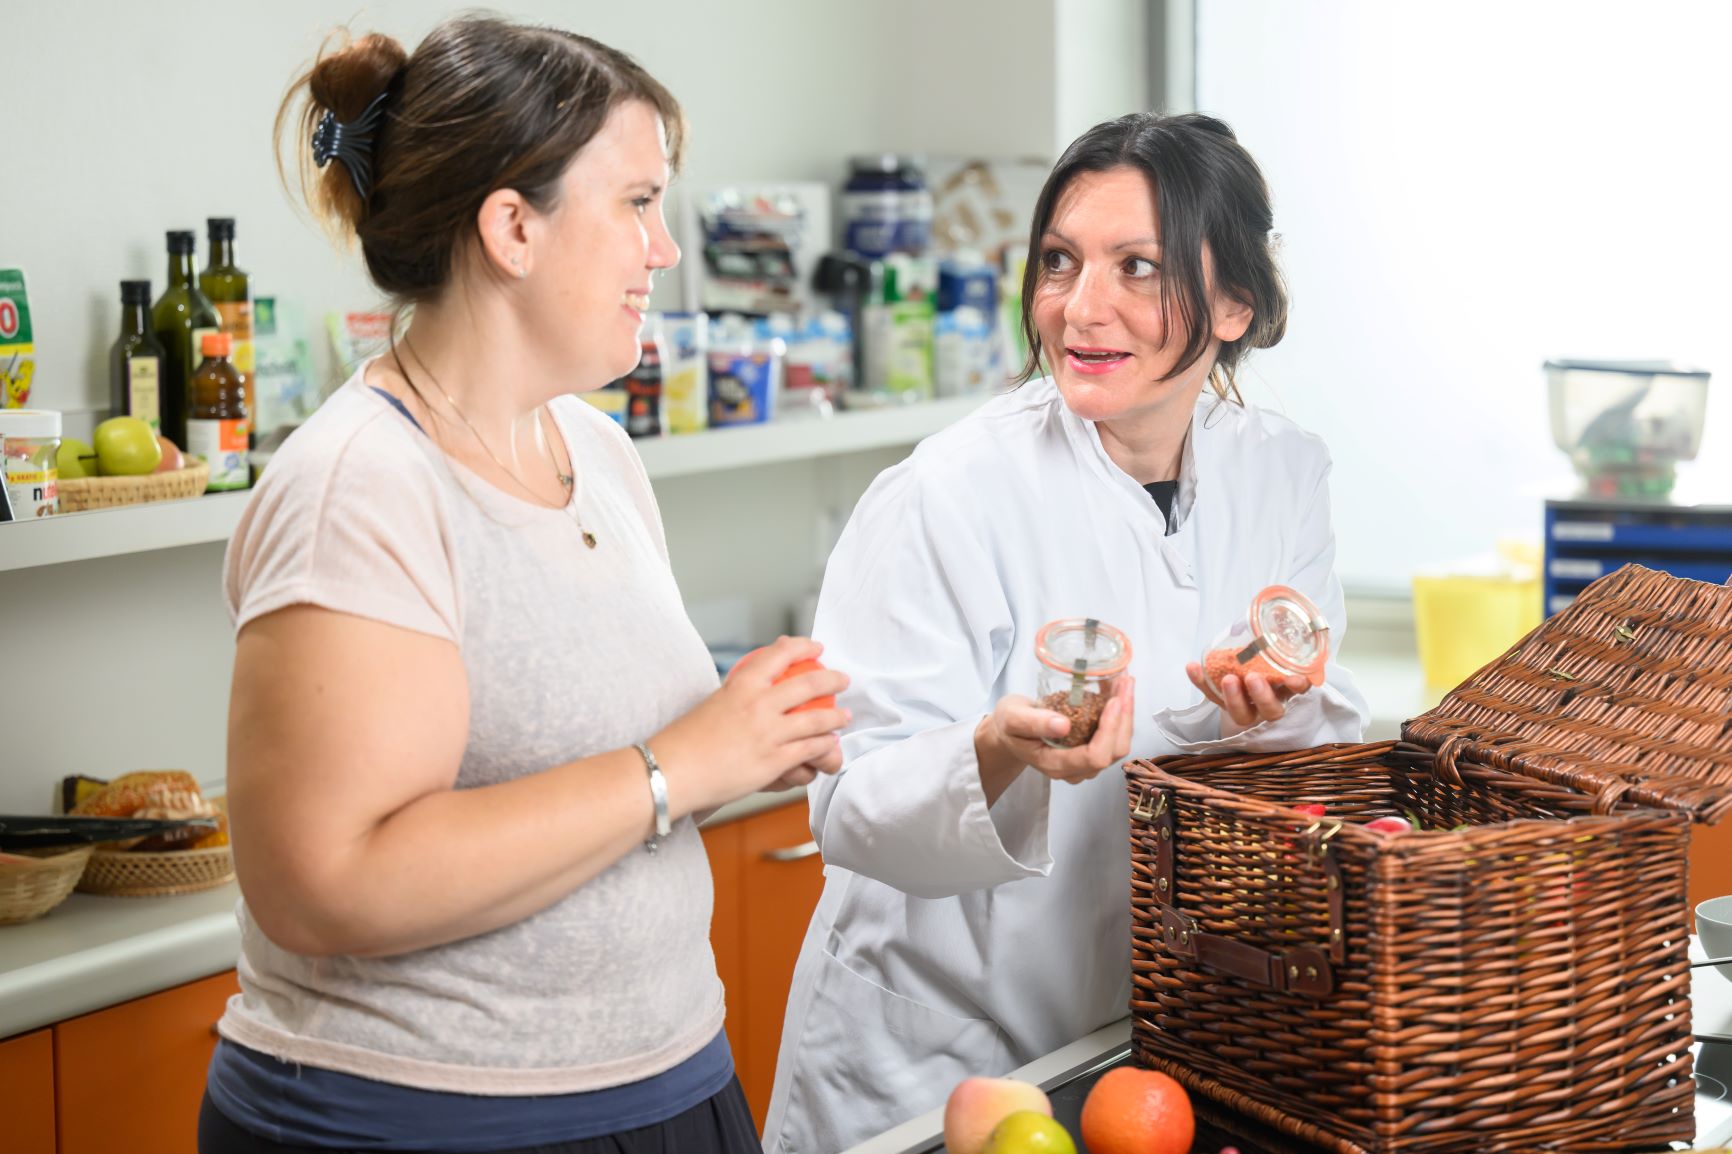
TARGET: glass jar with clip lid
(1081,660)
(1283,635)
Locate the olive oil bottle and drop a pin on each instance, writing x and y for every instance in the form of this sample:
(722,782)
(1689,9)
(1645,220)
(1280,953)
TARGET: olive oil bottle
(136,362)
(230,290)
(180,319)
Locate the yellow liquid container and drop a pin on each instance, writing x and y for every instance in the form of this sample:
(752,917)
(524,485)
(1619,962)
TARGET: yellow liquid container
(1464,620)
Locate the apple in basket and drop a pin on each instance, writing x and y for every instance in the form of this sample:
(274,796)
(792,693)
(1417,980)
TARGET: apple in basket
(126,447)
(74,459)
(173,460)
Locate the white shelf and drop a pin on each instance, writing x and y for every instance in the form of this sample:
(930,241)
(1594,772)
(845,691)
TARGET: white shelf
(796,440)
(114,532)
(169,524)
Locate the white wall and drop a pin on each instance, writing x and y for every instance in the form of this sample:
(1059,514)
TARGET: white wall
(135,651)
(1464,189)
(1101,52)
(147,118)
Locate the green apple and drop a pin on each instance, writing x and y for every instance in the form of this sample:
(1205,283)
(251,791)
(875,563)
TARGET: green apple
(74,459)
(126,447)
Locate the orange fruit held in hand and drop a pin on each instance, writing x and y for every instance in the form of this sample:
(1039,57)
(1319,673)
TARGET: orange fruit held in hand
(811,665)
(1133,1111)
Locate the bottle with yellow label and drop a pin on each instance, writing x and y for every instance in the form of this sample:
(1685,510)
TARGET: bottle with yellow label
(180,319)
(230,290)
(217,422)
(135,365)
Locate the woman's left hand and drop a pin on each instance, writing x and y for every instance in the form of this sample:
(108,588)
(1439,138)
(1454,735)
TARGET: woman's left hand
(1252,699)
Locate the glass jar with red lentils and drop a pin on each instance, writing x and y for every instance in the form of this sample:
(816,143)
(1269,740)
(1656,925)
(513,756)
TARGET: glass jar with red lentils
(1283,635)
(1081,660)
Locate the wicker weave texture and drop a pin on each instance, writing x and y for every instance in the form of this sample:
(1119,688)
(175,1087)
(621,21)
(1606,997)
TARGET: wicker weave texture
(1510,976)
(78,494)
(122,873)
(30,889)
(1627,695)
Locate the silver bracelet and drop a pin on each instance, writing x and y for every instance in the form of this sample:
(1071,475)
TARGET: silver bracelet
(658,793)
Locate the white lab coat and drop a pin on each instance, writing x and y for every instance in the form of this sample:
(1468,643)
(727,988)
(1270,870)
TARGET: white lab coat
(953,940)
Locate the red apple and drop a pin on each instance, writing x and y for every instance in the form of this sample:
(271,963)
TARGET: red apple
(172,458)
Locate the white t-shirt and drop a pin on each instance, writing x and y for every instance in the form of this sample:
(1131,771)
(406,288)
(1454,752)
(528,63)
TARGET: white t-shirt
(569,652)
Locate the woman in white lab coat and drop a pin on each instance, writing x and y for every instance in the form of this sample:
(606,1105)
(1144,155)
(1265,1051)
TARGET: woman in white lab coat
(976,909)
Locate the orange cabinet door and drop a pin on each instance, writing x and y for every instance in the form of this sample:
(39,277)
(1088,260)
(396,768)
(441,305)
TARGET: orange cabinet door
(781,876)
(1710,863)
(723,846)
(130,1077)
(27,1093)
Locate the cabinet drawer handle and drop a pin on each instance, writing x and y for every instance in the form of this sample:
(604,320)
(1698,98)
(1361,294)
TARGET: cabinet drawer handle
(797,853)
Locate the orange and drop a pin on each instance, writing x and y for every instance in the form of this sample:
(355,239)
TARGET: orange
(1133,1111)
(811,665)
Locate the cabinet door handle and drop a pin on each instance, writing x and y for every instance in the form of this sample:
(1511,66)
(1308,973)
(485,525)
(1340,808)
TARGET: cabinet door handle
(797,853)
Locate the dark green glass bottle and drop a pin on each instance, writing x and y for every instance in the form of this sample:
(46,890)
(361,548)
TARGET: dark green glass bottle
(136,363)
(180,319)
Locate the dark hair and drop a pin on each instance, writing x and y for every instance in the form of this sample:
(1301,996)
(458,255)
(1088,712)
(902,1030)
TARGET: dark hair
(1207,190)
(482,104)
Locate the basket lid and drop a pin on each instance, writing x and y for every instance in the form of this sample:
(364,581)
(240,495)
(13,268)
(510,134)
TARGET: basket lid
(1625,695)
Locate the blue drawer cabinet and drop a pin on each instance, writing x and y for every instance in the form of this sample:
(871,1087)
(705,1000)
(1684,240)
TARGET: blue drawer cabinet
(1585,540)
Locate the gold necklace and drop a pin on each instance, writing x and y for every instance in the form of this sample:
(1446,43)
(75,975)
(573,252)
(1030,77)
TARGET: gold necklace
(566,480)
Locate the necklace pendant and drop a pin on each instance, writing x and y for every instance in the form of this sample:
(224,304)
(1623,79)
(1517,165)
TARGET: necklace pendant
(589,538)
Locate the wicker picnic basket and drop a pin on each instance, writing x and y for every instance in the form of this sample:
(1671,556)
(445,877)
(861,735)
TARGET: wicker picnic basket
(1511,975)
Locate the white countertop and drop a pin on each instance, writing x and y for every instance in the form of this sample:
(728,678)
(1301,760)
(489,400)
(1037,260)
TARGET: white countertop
(91,952)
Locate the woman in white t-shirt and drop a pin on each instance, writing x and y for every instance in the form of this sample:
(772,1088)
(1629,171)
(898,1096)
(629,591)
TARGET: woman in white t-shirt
(471,722)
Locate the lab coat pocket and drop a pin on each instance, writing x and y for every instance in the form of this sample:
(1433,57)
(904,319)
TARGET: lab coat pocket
(870,1059)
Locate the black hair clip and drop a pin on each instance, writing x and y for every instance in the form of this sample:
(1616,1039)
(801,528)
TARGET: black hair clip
(350,141)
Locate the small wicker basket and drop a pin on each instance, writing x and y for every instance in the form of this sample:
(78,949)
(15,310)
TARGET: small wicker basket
(30,889)
(121,873)
(78,494)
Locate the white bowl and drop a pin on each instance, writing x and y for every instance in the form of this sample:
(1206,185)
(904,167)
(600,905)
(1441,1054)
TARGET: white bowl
(1714,927)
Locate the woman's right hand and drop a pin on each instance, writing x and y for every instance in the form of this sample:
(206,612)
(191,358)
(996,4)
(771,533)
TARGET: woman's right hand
(747,736)
(1012,736)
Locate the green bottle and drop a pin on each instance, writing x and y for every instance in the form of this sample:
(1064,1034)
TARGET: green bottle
(135,365)
(181,318)
(231,292)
